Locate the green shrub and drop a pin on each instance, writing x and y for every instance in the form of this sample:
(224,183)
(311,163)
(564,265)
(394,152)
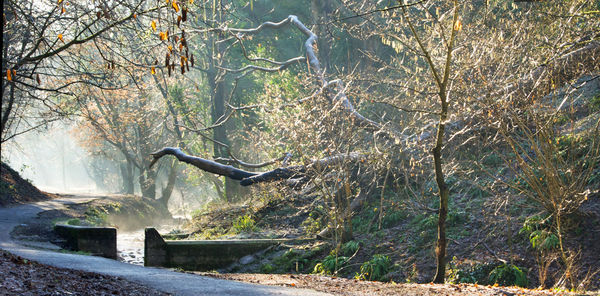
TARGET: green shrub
(244,224)
(350,248)
(469,273)
(508,275)
(540,234)
(330,264)
(375,269)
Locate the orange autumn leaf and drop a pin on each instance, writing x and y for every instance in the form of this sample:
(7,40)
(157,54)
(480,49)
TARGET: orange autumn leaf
(163,35)
(458,25)
(152,70)
(60,36)
(175,6)
(153,24)
(63,10)
(8,75)
(60,1)
(170,47)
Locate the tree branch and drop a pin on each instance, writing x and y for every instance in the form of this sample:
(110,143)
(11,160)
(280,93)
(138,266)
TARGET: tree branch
(248,178)
(203,164)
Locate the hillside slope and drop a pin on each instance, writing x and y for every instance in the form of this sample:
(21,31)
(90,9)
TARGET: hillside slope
(15,190)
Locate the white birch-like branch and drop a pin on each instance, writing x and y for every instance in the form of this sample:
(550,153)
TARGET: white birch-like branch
(340,96)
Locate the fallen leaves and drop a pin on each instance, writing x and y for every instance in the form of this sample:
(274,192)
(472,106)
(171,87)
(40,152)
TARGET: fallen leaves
(21,276)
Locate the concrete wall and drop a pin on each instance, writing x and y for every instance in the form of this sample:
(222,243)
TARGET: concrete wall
(200,255)
(99,241)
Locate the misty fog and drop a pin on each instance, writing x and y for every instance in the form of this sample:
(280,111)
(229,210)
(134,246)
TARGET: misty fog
(54,161)
(51,159)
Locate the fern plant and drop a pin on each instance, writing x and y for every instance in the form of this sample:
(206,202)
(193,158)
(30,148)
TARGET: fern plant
(509,275)
(375,269)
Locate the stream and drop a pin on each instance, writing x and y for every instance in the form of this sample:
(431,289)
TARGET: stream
(130,247)
(130,244)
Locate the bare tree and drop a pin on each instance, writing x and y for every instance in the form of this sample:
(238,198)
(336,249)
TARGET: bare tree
(40,60)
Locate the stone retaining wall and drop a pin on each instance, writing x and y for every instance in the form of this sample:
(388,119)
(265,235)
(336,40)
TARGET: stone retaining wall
(99,241)
(201,255)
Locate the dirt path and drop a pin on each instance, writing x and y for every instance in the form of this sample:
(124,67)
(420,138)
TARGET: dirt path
(165,280)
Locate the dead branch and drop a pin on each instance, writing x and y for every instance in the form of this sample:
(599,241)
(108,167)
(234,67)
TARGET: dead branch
(301,172)
(203,164)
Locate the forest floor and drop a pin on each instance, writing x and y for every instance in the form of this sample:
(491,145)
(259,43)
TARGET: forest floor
(24,277)
(343,286)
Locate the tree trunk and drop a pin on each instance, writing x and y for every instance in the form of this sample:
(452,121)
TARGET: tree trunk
(444,192)
(232,190)
(147,181)
(127,177)
(168,190)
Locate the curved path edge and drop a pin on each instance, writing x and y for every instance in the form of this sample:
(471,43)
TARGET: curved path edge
(176,283)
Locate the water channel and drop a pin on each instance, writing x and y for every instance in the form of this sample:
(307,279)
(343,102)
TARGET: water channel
(130,244)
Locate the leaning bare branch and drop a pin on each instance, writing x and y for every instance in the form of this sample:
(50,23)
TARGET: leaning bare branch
(302,172)
(203,164)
